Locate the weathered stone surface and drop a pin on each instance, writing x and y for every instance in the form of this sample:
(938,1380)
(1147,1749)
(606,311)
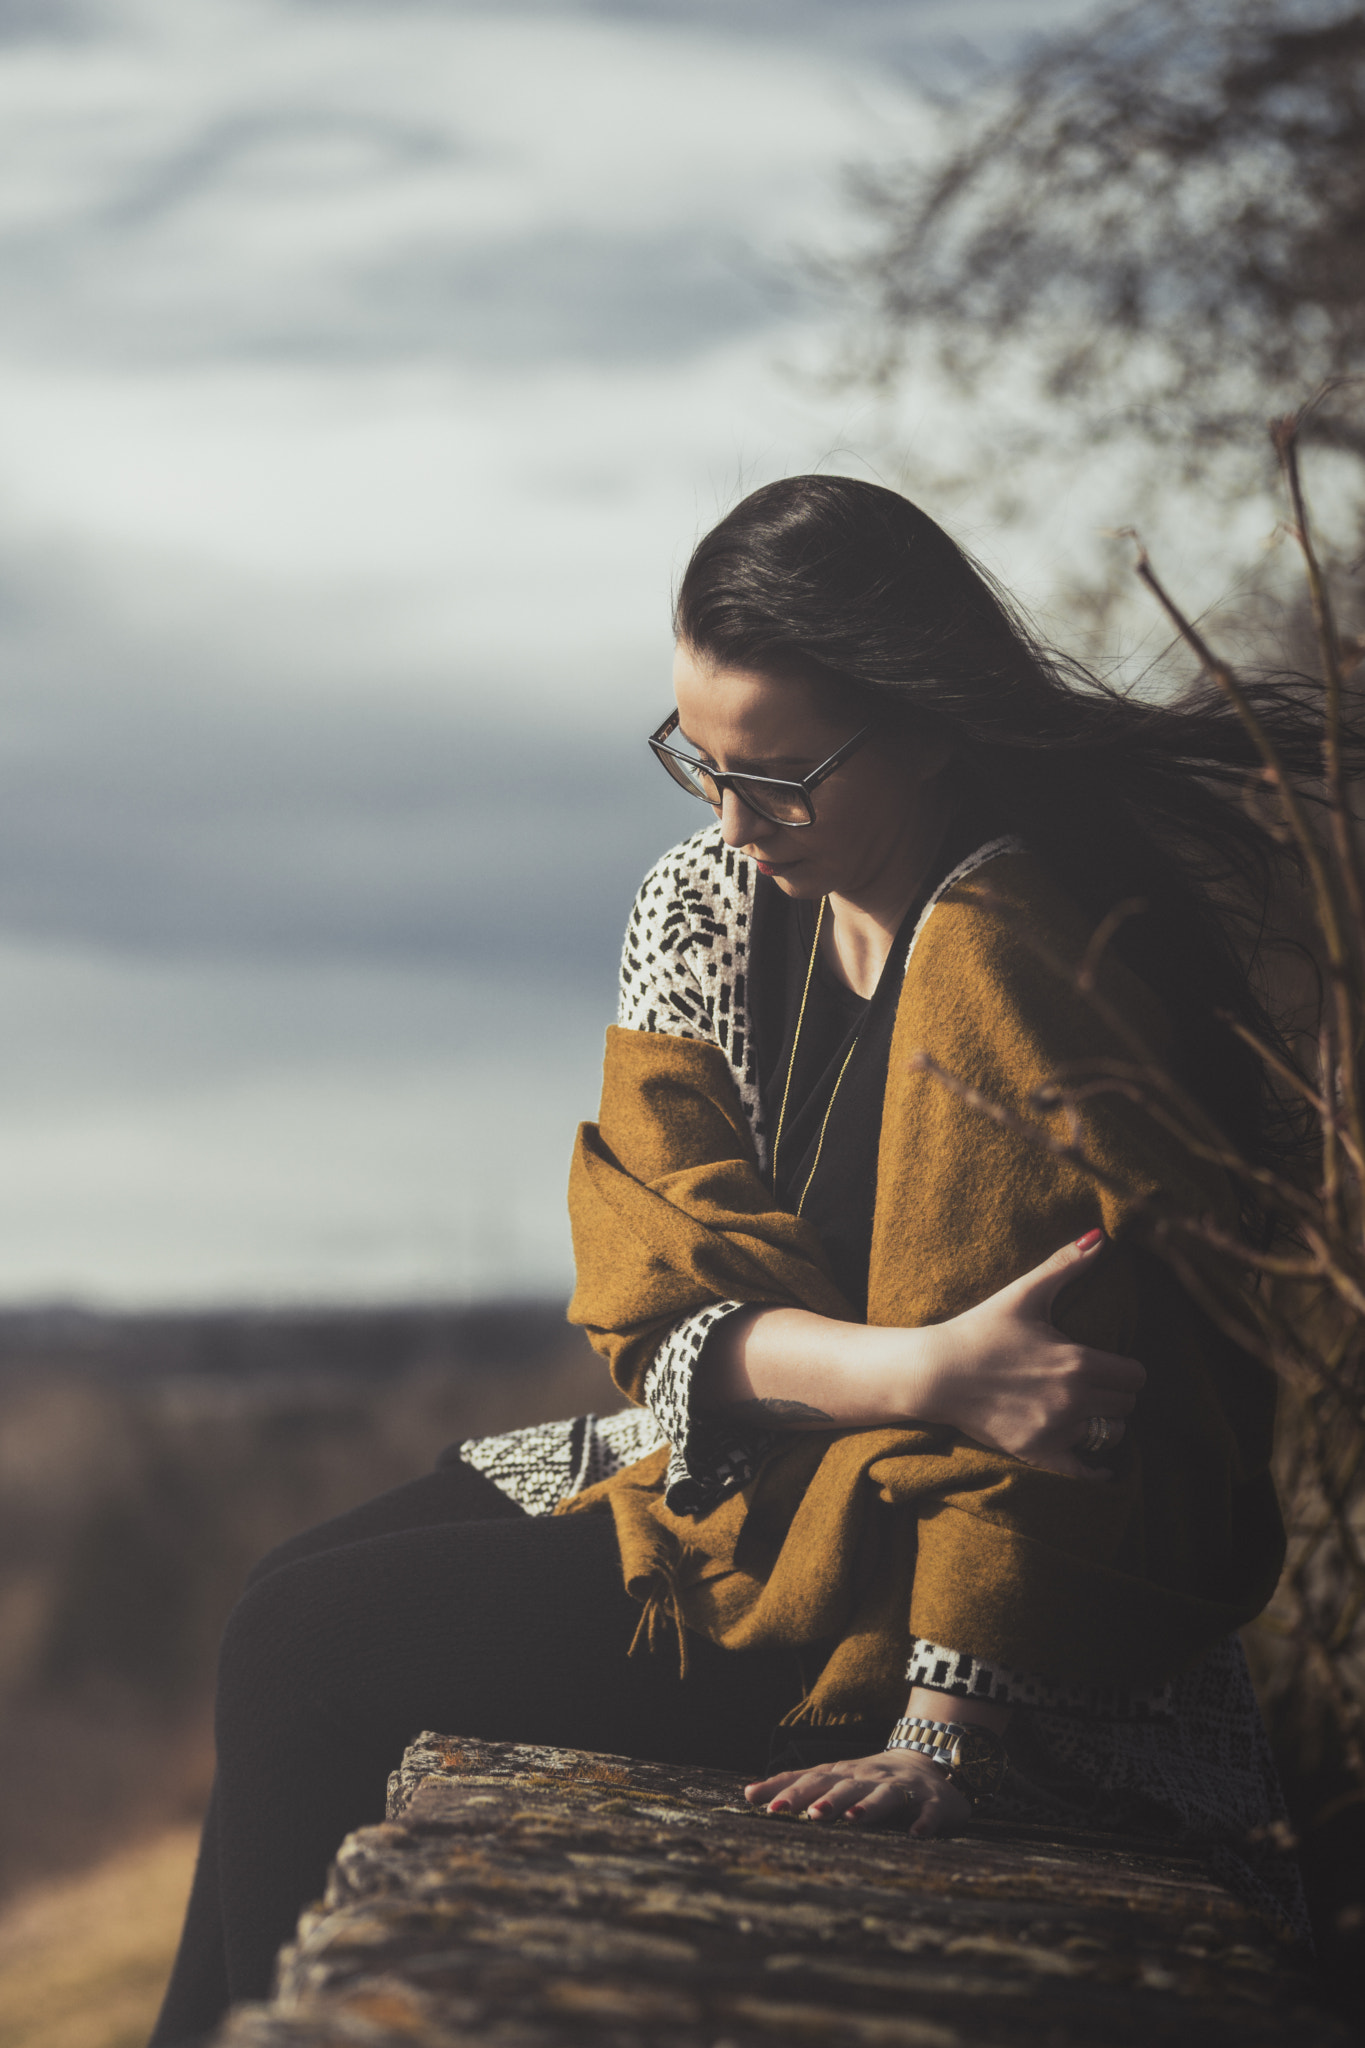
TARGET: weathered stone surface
(537,1898)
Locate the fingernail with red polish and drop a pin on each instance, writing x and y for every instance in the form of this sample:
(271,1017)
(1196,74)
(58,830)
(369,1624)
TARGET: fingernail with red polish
(1089,1241)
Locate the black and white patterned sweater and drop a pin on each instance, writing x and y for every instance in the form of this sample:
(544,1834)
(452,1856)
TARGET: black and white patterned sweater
(1191,1755)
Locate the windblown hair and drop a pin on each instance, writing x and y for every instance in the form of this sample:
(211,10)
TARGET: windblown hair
(1124,798)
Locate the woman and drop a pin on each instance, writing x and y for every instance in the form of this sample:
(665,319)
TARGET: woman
(861,1454)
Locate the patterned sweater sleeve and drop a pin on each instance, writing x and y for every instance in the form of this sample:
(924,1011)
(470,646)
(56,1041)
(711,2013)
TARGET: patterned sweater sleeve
(965,1677)
(684,971)
(685,960)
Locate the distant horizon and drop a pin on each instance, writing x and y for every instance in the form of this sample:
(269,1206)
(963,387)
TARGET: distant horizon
(531,1298)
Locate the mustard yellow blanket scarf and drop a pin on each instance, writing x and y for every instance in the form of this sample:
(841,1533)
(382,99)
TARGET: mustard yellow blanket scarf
(852,1542)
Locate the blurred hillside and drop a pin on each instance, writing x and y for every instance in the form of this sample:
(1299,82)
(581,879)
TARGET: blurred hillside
(146,1462)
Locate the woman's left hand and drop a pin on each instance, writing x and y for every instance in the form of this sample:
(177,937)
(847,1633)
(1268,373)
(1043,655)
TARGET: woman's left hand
(875,1790)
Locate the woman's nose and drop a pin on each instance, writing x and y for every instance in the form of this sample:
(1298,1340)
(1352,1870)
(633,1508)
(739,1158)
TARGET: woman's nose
(739,826)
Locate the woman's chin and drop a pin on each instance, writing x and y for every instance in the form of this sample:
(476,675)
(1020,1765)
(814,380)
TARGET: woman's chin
(790,877)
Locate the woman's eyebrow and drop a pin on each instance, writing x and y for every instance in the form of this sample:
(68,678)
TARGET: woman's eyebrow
(750,767)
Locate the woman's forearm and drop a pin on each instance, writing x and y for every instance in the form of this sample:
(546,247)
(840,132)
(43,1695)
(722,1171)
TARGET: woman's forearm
(1000,1372)
(789,1369)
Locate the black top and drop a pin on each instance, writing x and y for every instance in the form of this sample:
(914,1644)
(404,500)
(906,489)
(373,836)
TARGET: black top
(843,1188)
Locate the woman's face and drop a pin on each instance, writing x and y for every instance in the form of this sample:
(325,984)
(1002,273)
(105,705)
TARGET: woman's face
(872,815)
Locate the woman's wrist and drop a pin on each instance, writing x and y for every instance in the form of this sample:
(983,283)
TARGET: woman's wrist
(926,1705)
(787,1367)
(964,1738)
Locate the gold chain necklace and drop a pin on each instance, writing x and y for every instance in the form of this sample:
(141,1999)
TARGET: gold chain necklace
(791,1065)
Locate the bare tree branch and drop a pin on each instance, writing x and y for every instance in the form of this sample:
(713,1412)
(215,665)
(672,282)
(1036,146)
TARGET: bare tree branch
(1294,1299)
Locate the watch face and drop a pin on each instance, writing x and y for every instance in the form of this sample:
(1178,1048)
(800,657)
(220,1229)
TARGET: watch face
(981,1759)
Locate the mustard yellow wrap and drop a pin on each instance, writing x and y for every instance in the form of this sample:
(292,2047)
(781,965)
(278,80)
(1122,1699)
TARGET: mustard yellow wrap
(851,1542)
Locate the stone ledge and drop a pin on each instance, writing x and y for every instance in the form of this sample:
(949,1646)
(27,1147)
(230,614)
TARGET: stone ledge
(540,1898)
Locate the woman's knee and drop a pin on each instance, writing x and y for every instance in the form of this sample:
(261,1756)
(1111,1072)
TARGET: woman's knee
(324,1626)
(267,1642)
(283,1553)
(351,1527)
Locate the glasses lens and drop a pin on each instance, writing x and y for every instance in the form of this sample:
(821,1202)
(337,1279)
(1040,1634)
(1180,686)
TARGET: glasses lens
(782,803)
(688,775)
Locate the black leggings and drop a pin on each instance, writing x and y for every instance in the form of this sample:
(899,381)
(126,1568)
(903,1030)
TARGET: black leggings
(439,1605)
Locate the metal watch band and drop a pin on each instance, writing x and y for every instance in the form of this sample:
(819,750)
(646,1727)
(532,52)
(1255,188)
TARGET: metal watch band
(944,1742)
(917,1733)
(929,1749)
(948,1731)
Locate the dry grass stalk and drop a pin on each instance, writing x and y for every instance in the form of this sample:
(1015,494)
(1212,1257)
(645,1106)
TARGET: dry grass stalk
(1306,1314)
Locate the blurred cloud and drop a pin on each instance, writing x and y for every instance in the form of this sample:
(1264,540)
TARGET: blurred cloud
(23,21)
(250,821)
(366,371)
(581,296)
(284,1132)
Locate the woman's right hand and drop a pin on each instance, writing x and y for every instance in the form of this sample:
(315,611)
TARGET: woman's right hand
(1005,1376)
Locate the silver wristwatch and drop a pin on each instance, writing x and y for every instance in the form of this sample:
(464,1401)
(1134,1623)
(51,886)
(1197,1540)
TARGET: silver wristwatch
(972,1758)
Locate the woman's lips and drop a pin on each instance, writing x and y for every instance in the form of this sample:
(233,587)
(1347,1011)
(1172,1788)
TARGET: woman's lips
(772,867)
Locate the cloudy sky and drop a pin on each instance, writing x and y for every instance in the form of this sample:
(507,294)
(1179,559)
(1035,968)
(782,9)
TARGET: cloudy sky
(366,371)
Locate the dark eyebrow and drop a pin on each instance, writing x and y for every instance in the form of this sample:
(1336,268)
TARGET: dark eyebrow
(750,767)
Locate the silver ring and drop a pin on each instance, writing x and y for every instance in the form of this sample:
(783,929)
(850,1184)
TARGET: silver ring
(1098,1432)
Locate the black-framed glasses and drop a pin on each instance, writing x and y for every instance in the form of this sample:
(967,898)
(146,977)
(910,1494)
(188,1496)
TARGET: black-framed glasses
(769,796)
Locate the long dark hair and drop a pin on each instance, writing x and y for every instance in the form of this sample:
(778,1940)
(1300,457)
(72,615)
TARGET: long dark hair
(1125,798)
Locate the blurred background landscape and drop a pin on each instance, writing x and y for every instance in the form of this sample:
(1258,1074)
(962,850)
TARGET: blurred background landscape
(367,370)
(146,1462)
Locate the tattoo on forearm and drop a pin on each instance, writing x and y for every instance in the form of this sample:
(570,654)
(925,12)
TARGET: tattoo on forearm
(772,1409)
